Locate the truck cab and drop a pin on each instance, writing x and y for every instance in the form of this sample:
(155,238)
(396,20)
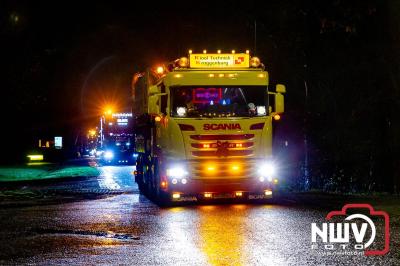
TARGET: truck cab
(207,130)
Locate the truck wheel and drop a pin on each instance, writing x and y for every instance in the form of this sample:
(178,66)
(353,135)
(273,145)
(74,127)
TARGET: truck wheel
(139,175)
(162,198)
(152,179)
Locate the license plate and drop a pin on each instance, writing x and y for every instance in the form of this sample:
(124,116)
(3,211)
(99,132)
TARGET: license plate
(223,196)
(258,196)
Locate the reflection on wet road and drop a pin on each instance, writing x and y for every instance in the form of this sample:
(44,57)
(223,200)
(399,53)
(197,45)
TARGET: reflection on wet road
(126,228)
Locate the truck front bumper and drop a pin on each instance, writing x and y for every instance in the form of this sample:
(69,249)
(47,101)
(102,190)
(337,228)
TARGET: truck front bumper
(250,188)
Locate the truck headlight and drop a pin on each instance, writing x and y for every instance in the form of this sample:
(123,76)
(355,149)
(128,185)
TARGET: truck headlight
(177,172)
(108,155)
(267,170)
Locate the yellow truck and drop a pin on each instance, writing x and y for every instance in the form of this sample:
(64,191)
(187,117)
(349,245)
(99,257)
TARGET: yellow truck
(203,128)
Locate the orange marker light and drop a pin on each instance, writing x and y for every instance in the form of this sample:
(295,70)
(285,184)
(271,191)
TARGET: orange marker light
(239,145)
(160,70)
(207,195)
(235,167)
(267,192)
(277,117)
(239,194)
(176,195)
(163,184)
(206,145)
(157,118)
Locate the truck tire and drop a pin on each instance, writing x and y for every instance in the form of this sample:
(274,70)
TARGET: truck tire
(139,177)
(162,198)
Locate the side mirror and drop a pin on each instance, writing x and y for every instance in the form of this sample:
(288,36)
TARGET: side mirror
(279,103)
(280,88)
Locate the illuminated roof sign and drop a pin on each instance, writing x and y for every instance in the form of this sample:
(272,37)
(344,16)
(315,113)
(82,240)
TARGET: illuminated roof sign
(219,60)
(122,115)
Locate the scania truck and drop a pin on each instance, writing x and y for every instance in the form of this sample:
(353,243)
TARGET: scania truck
(116,139)
(204,128)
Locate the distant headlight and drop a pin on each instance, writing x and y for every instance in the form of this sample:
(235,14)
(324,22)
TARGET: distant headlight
(108,155)
(267,170)
(181,111)
(177,172)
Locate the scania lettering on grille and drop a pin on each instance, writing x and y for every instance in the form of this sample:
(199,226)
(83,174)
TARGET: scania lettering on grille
(221,126)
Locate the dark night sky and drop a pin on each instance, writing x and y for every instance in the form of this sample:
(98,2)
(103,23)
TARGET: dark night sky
(65,58)
(62,60)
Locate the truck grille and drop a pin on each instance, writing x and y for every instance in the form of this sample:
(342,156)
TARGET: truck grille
(222,137)
(222,169)
(220,146)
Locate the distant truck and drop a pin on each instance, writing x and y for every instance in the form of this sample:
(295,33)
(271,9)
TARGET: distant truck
(117,139)
(204,128)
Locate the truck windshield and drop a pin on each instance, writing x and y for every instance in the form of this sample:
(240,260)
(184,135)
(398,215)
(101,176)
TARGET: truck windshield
(219,101)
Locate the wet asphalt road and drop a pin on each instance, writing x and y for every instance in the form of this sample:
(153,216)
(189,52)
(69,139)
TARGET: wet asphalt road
(105,221)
